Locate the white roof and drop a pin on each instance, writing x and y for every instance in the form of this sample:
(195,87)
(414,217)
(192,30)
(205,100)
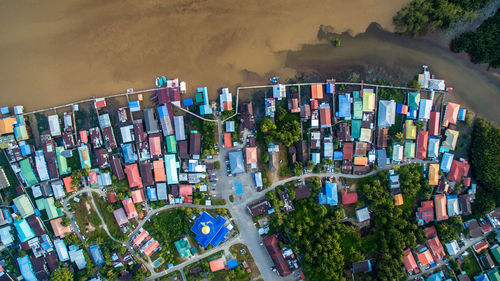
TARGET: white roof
(363,214)
(452,248)
(436,84)
(77,257)
(424,111)
(58,189)
(5,236)
(161,191)
(433,148)
(452,206)
(279,91)
(104,121)
(386,113)
(62,251)
(41,166)
(230,126)
(397,152)
(127,135)
(37,191)
(180,133)
(55,127)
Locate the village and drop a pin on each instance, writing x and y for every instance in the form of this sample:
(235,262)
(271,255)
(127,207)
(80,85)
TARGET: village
(164,184)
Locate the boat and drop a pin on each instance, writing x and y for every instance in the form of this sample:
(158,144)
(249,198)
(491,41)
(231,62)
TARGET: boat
(158,82)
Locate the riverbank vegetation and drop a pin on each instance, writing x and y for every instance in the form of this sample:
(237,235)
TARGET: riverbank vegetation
(423,16)
(483,44)
(485,163)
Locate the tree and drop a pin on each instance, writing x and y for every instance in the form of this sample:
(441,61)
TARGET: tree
(61,274)
(217,165)
(414,84)
(336,42)
(65,221)
(267,126)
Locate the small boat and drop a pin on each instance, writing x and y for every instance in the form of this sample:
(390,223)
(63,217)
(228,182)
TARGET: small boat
(164,80)
(158,82)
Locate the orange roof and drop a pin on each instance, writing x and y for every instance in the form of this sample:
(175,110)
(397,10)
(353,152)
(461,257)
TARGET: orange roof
(251,153)
(216,265)
(425,258)
(138,196)
(314,104)
(398,199)
(409,261)
(317,91)
(228,142)
(159,170)
(7,125)
(67,184)
(59,230)
(481,246)
(433,174)
(361,161)
(186,191)
(93,177)
(436,247)
(440,203)
(155,145)
(83,136)
(129,207)
(228,105)
(451,114)
(149,250)
(134,179)
(140,238)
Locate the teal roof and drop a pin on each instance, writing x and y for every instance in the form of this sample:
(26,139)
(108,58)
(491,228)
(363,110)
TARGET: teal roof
(358,105)
(171,144)
(27,172)
(494,275)
(24,231)
(356,129)
(495,251)
(414,100)
(409,150)
(183,248)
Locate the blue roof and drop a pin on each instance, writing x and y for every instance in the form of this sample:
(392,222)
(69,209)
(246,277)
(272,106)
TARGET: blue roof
(412,113)
(338,155)
(232,264)
(26,268)
(128,153)
(257,178)
(238,187)
(435,277)
(461,114)
(344,106)
(399,108)
(151,192)
(328,194)
(4,110)
(446,162)
(205,109)
(481,277)
(217,230)
(163,111)
(382,160)
(187,102)
(25,149)
(24,231)
(330,88)
(96,254)
(134,106)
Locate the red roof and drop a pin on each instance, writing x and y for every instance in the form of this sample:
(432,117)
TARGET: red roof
(93,178)
(134,179)
(84,136)
(430,232)
(409,261)
(423,137)
(155,145)
(314,104)
(159,170)
(425,258)
(349,198)
(348,151)
(481,246)
(451,114)
(436,247)
(129,207)
(228,142)
(100,103)
(458,170)
(434,123)
(68,185)
(216,265)
(486,228)
(273,248)
(112,197)
(140,238)
(441,211)
(317,91)
(251,154)
(325,117)
(426,211)
(467,181)
(186,191)
(138,196)
(150,249)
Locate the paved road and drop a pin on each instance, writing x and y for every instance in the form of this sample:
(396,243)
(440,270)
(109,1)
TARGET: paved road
(469,243)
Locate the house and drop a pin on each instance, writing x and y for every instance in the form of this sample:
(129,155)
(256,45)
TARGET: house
(100,103)
(102,158)
(23,206)
(386,113)
(171,166)
(27,172)
(95,137)
(414,100)
(409,150)
(138,196)
(180,133)
(165,120)
(458,170)
(293,103)
(440,203)
(41,166)
(116,167)
(452,248)
(133,177)
(357,105)
(272,246)
(452,206)
(433,174)
(270,108)
(362,214)
(7,125)
(434,123)
(259,208)
(151,194)
(59,230)
(62,251)
(446,162)
(451,114)
(6,236)
(433,147)
(436,248)
(183,248)
(209,231)
(362,266)
(236,162)
(146,169)
(159,171)
(83,136)
(397,152)
(411,130)
(171,144)
(302,192)
(451,138)
(279,91)
(368,100)
(226,100)
(425,213)
(155,145)
(365,135)
(383,135)
(344,106)
(409,262)
(140,238)
(325,118)
(228,142)
(247,117)
(83,153)
(382,160)
(24,231)
(465,204)
(328,195)
(425,257)
(150,120)
(302,155)
(422,142)
(186,192)
(315,140)
(96,254)
(139,134)
(129,207)
(398,199)
(54,125)
(26,268)
(77,256)
(161,191)
(194,145)
(480,246)
(348,151)
(424,111)
(486,261)
(344,132)
(317,91)
(216,265)
(251,156)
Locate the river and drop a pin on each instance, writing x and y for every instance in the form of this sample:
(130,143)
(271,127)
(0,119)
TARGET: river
(55,52)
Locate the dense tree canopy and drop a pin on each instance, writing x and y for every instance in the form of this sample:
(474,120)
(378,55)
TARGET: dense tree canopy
(483,44)
(61,274)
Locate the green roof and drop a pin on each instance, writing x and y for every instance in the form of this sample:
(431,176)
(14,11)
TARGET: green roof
(495,251)
(21,133)
(409,150)
(50,208)
(62,163)
(494,275)
(27,172)
(24,206)
(171,144)
(413,100)
(358,106)
(183,248)
(356,129)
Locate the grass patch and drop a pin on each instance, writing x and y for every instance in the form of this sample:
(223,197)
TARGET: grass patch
(106,209)
(238,273)
(219,201)
(470,265)
(231,198)
(170,276)
(247,257)
(83,215)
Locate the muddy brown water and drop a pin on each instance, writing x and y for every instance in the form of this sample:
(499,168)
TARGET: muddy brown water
(55,52)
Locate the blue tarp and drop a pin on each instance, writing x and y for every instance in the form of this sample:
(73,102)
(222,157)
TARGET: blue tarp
(232,264)
(238,187)
(187,102)
(95,252)
(217,230)
(399,108)
(328,195)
